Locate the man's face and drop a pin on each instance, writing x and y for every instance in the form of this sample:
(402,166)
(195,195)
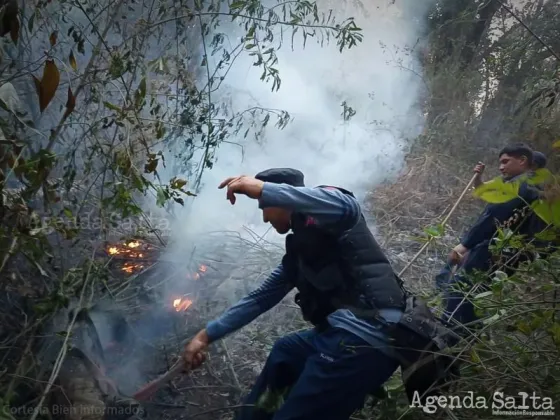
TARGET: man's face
(280,219)
(511,166)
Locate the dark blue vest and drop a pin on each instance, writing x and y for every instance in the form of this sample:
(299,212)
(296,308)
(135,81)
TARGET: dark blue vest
(332,272)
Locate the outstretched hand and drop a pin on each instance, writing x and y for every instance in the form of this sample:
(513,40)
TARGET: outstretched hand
(246,185)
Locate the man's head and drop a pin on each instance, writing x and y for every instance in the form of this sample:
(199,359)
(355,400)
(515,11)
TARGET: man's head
(280,218)
(539,160)
(515,160)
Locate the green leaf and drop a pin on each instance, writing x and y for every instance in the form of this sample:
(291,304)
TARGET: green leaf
(161,197)
(497,191)
(140,94)
(491,319)
(236,5)
(250,33)
(524,327)
(541,176)
(475,357)
(500,276)
(555,332)
(111,106)
(435,231)
(160,129)
(546,235)
(556,144)
(549,211)
(483,295)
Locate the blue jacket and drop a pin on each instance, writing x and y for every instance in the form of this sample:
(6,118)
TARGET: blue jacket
(493,215)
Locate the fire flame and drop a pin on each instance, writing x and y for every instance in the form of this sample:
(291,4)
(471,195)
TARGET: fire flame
(127,249)
(130,250)
(182,304)
(130,267)
(201,270)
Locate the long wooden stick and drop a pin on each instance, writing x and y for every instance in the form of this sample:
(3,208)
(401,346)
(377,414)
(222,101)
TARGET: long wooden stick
(148,390)
(442,223)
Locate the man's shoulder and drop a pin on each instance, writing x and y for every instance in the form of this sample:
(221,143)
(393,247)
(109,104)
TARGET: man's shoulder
(336,188)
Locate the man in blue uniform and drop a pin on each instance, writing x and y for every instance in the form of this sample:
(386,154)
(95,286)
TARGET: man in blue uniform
(346,288)
(473,253)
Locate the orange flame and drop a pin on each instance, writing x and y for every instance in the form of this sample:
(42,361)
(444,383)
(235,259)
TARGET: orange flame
(130,250)
(130,268)
(201,270)
(182,304)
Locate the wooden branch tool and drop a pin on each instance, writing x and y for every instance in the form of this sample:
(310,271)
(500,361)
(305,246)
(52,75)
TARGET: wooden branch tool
(148,390)
(442,223)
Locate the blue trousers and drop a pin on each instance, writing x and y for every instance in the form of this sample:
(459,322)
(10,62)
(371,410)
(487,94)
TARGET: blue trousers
(443,278)
(323,375)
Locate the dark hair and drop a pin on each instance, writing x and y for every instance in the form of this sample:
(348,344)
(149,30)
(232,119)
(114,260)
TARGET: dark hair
(518,150)
(539,159)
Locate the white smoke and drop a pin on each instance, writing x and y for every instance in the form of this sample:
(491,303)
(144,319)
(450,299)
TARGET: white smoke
(373,78)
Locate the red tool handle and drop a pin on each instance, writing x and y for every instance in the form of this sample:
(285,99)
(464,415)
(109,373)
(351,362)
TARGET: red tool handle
(150,389)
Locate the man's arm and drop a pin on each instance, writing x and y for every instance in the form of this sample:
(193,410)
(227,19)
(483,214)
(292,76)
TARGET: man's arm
(478,182)
(328,207)
(270,293)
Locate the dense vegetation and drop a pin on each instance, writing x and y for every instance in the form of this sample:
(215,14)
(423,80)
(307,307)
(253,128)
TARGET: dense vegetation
(94,94)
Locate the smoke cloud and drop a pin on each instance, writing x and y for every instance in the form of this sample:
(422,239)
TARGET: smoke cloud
(378,79)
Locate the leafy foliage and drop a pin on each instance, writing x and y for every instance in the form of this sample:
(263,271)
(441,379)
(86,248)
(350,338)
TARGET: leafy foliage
(95,95)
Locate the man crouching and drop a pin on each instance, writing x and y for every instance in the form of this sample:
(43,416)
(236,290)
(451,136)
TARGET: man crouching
(346,288)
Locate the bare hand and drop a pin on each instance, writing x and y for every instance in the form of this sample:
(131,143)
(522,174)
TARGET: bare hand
(194,354)
(249,186)
(457,254)
(479,168)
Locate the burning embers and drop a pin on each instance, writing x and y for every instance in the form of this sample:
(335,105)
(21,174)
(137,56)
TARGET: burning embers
(130,249)
(201,271)
(134,254)
(182,304)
